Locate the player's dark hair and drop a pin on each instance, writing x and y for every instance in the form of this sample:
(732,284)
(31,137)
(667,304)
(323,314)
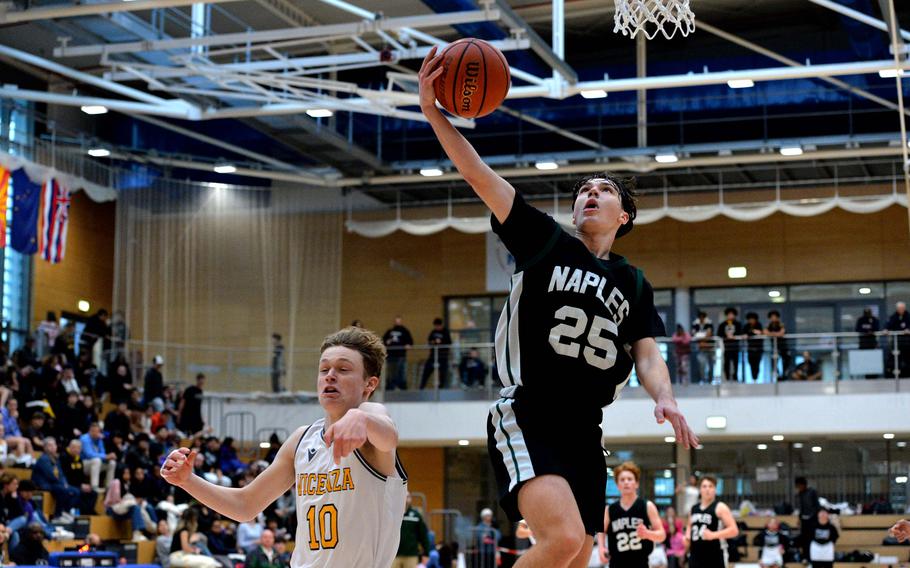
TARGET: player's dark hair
(627,466)
(365,342)
(773,313)
(626,189)
(710,478)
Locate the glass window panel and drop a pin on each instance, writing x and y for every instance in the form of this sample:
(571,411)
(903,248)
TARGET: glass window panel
(896,292)
(840,291)
(740,295)
(663,298)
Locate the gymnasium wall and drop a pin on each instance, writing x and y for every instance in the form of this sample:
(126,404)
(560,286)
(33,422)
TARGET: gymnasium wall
(408,275)
(87,271)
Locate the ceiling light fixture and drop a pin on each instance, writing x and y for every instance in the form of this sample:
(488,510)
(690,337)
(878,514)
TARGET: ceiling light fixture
(430,172)
(464,442)
(888,436)
(791,151)
(865,291)
(716,422)
(99,152)
(890,73)
(774,293)
(666,158)
(546,165)
(669,439)
(762,446)
(593,93)
(740,83)
(798,445)
(817,449)
(225,169)
(778,437)
(94,109)
(319,113)
(737,272)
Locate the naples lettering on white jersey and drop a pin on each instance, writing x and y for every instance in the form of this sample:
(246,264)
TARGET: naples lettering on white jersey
(348,515)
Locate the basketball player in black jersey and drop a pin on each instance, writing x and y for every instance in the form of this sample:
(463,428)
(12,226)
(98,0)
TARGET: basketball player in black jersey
(632,524)
(578,317)
(704,535)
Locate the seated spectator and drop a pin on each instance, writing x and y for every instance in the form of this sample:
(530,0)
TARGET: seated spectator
(70,418)
(118,420)
(212,452)
(9,501)
(29,514)
(139,454)
(773,543)
(48,476)
(186,551)
(222,538)
(89,414)
(472,369)
(163,544)
(284,557)
(37,430)
(68,383)
(5,457)
(96,457)
(25,356)
(263,555)
(143,488)
(74,472)
(228,461)
(121,383)
(248,534)
(30,551)
(210,473)
(19,444)
(808,370)
(190,407)
(116,444)
(122,505)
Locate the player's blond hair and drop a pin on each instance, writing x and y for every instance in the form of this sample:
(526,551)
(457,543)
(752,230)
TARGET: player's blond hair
(630,467)
(365,342)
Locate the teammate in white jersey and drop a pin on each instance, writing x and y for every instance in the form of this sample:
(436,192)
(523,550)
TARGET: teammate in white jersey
(350,487)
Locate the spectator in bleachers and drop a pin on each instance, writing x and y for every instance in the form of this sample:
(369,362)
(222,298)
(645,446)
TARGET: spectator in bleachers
(485,541)
(26,355)
(121,382)
(96,328)
(169,408)
(222,539)
(185,549)
(772,543)
(808,506)
(700,322)
(49,476)
(163,544)
(899,324)
(118,419)
(824,537)
(808,370)
(867,326)
(30,551)
(74,472)
(438,357)
(89,414)
(68,383)
(190,407)
(397,340)
(121,504)
(5,457)
(47,333)
(30,513)
(153,386)
(139,454)
(37,429)
(414,542)
(65,344)
(96,457)
(755,344)
(69,423)
(277,366)
(228,462)
(706,353)
(119,335)
(248,533)
(20,444)
(263,555)
(9,502)
(473,370)
(777,331)
(682,349)
(211,452)
(675,543)
(730,330)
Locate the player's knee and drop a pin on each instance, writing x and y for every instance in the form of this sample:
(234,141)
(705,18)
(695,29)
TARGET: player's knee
(565,541)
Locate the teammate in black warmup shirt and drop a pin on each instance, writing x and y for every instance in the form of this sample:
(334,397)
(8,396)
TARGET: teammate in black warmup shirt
(710,524)
(773,543)
(821,547)
(632,525)
(577,318)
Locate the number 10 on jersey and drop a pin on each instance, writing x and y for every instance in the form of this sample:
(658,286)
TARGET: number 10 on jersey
(323,526)
(599,351)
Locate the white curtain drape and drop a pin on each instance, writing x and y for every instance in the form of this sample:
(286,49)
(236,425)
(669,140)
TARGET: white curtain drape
(692,214)
(227,268)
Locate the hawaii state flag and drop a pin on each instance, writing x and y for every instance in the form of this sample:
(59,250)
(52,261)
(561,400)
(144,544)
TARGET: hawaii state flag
(4,197)
(55,207)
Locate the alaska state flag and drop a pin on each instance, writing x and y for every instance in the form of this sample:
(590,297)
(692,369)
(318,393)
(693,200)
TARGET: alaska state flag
(55,207)
(24,225)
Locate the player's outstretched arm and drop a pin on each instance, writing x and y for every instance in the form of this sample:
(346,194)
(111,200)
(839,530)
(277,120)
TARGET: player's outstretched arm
(240,504)
(495,192)
(369,423)
(655,377)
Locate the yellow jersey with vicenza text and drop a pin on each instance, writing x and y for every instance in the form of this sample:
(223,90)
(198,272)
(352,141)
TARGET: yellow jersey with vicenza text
(348,515)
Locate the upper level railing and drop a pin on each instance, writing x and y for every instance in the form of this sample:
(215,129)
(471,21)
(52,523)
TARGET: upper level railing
(467,370)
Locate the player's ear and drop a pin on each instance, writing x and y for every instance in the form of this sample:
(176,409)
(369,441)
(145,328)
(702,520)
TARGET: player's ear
(371,385)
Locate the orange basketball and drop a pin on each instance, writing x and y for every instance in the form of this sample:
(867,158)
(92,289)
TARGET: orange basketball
(475,78)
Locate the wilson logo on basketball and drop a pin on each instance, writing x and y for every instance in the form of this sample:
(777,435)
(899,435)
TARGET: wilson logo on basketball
(469,87)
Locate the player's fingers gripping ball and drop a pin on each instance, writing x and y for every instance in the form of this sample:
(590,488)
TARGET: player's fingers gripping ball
(475,78)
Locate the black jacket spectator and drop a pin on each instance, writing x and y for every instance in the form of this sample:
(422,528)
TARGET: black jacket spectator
(191,407)
(118,421)
(472,369)
(70,422)
(396,339)
(30,550)
(154,383)
(867,325)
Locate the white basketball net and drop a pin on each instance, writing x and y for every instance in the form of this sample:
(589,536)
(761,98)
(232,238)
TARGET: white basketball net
(653,16)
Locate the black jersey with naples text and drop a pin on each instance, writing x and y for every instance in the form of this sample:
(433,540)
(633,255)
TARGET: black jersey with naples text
(706,553)
(565,333)
(627,549)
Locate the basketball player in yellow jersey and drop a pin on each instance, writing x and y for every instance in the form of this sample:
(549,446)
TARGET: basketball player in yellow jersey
(349,485)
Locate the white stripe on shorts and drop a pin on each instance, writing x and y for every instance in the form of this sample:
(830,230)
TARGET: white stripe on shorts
(510,442)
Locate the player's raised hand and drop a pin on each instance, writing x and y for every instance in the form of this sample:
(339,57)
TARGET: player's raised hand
(900,530)
(178,467)
(667,411)
(430,70)
(347,434)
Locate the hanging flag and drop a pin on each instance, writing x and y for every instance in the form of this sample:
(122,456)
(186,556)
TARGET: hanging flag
(4,197)
(24,224)
(55,208)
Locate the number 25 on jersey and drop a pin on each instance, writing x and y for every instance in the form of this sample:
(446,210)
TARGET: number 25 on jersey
(598,351)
